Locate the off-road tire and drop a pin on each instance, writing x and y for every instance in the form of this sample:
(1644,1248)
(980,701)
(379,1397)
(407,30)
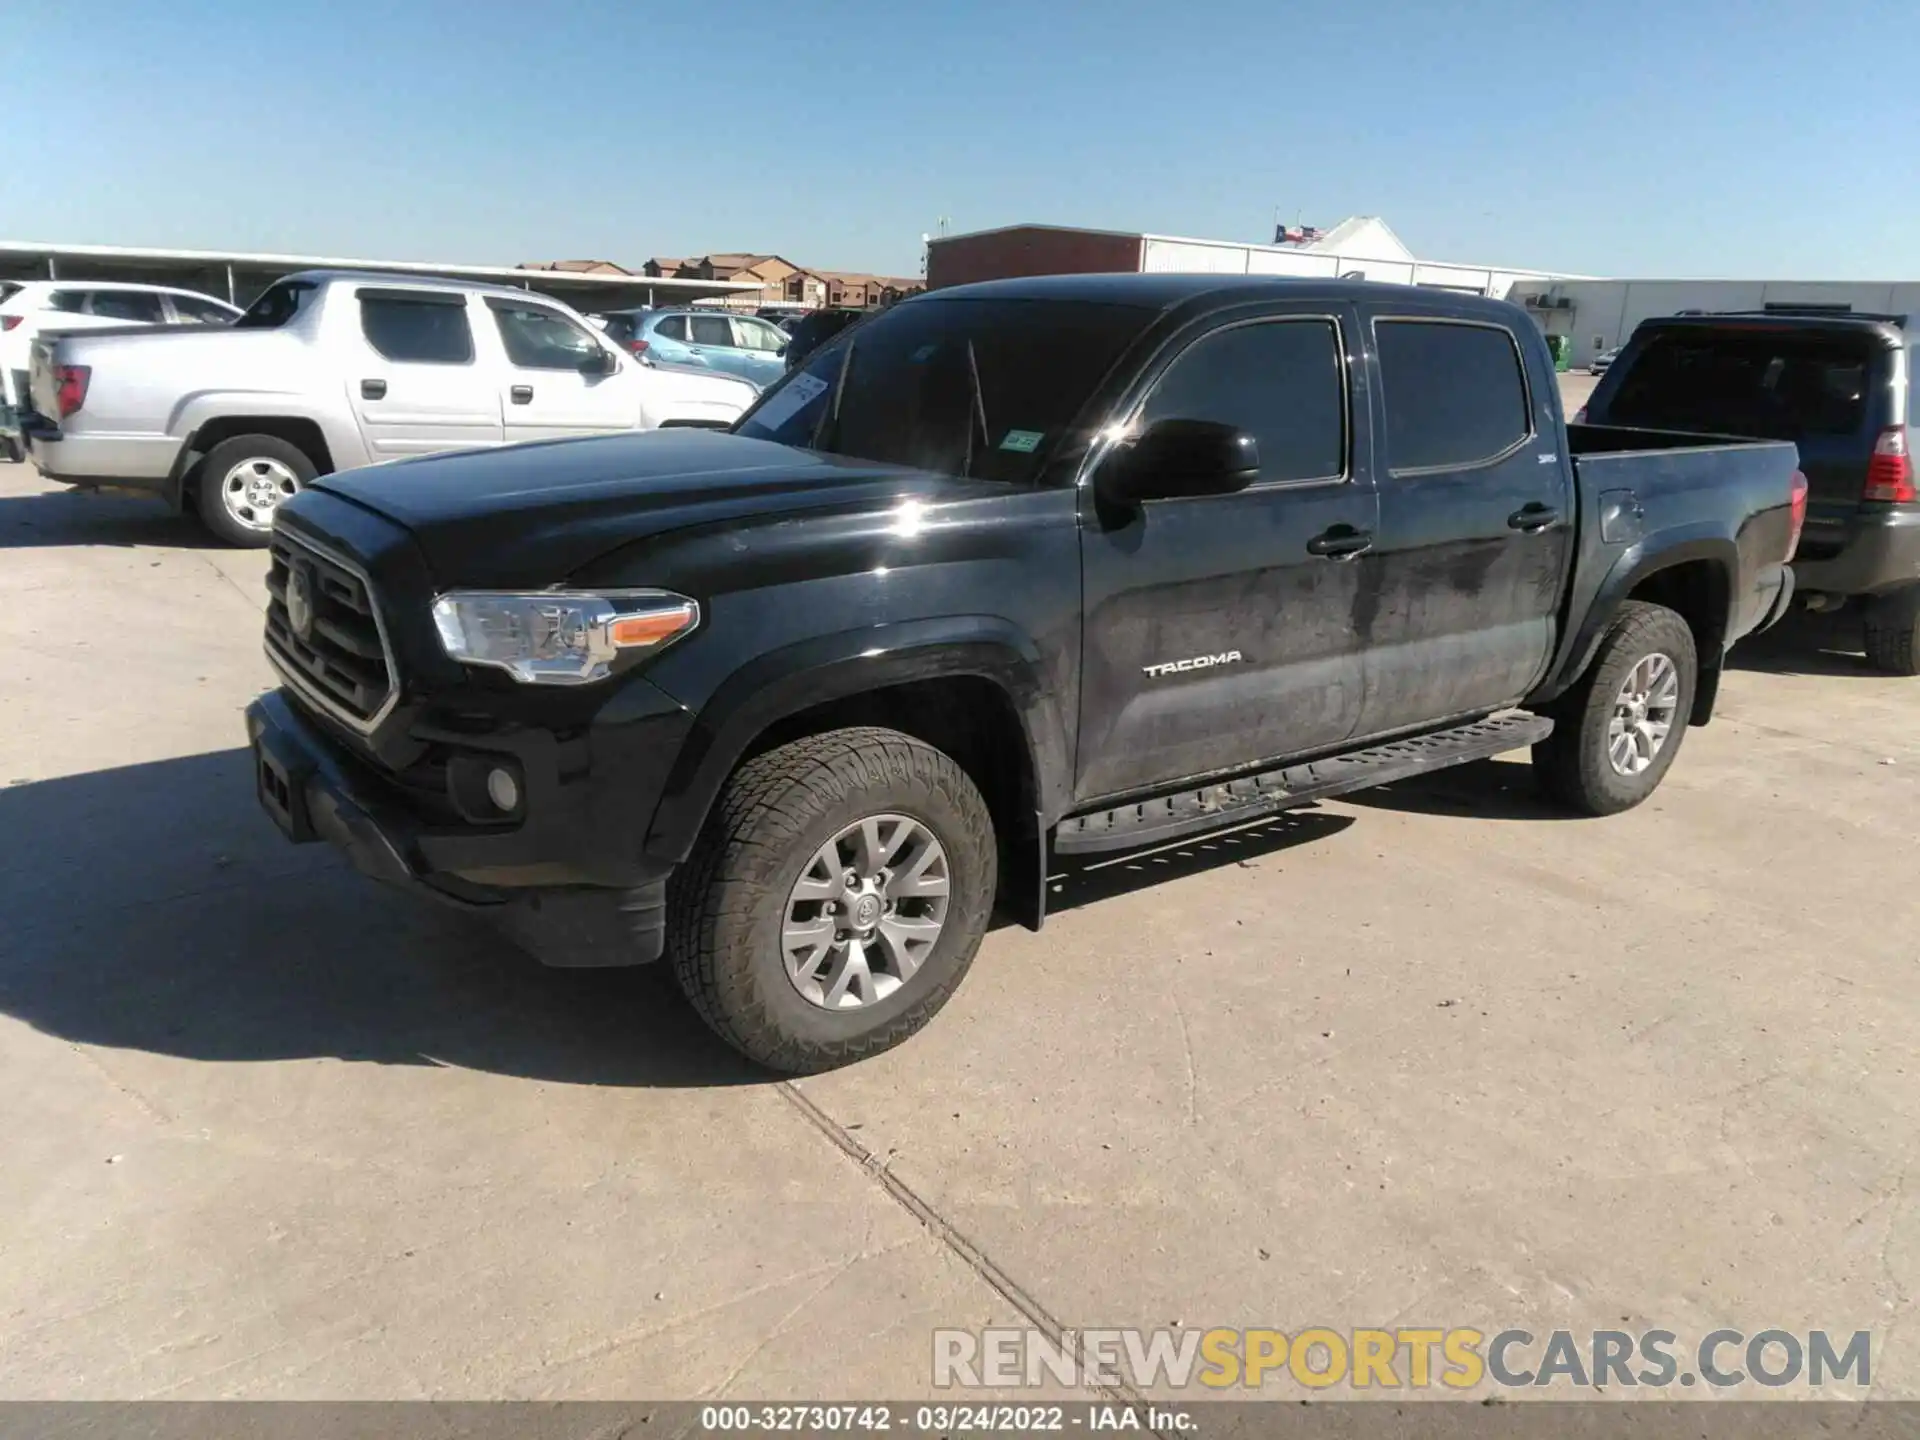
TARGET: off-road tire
(1893,631)
(215,464)
(1572,764)
(727,904)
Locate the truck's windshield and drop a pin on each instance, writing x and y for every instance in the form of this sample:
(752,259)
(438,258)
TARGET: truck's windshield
(985,388)
(1770,383)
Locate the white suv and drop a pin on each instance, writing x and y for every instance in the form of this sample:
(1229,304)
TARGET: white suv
(33,307)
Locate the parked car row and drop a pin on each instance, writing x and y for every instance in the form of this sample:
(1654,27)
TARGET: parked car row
(1054,566)
(330,370)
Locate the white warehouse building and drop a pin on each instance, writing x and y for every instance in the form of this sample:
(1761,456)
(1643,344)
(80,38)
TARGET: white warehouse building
(1599,314)
(1594,314)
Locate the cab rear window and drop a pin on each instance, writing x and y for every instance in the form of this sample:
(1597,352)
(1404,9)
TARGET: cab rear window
(1770,384)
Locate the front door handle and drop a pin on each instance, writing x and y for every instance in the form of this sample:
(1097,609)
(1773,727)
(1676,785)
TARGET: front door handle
(521,394)
(1342,542)
(1531,519)
(373,389)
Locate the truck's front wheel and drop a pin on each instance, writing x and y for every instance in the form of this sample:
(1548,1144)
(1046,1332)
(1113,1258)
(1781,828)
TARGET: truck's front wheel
(835,899)
(243,481)
(1617,730)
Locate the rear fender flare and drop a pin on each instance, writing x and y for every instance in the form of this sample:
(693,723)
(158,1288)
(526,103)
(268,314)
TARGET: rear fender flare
(775,686)
(1635,564)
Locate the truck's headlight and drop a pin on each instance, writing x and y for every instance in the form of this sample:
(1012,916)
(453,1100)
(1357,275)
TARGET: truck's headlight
(558,637)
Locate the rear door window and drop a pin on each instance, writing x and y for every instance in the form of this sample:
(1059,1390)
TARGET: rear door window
(72,302)
(1455,393)
(1773,384)
(137,306)
(417,327)
(711,330)
(674,327)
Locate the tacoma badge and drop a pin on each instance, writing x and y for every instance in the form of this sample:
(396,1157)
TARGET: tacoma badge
(1198,662)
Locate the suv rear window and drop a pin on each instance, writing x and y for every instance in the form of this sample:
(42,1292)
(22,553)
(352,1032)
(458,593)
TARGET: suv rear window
(1771,384)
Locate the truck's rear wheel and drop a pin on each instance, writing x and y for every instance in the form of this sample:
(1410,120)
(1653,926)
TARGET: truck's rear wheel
(243,481)
(1617,731)
(835,899)
(1893,631)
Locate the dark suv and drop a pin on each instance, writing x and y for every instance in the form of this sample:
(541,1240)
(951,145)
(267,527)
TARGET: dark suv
(1836,385)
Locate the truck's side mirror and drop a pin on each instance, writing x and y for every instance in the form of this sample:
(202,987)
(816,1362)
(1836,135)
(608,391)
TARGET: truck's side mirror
(1176,458)
(599,362)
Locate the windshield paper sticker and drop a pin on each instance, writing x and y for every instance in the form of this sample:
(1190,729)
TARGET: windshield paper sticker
(1025,441)
(789,402)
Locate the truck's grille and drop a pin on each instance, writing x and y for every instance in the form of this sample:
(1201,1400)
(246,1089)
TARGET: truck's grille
(337,655)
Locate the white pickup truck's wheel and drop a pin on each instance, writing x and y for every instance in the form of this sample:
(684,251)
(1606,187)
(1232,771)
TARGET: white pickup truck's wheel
(244,481)
(835,899)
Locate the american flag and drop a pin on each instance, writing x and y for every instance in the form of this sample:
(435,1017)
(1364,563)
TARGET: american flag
(1296,234)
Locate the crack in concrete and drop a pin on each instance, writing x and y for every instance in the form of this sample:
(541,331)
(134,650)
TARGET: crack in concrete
(948,1235)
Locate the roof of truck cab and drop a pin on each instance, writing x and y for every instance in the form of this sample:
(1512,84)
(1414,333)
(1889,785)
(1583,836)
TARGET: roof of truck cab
(400,280)
(1164,291)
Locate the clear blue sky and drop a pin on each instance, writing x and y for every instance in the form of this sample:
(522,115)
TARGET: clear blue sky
(1753,138)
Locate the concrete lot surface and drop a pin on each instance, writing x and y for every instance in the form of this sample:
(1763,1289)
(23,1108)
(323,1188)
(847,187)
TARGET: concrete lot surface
(1437,1057)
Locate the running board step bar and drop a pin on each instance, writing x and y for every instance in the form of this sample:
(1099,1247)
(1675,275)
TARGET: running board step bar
(1231,802)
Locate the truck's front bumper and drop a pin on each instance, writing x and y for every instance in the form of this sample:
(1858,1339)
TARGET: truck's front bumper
(1881,553)
(313,789)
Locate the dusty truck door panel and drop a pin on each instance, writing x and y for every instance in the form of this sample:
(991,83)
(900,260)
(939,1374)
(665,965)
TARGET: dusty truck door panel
(1475,520)
(1220,630)
(414,379)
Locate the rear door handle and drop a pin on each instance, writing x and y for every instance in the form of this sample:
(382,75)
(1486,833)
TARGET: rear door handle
(1342,542)
(373,389)
(1532,519)
(521,394)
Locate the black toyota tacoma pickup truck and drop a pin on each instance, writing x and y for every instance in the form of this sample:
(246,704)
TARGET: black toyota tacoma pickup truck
(1012,571)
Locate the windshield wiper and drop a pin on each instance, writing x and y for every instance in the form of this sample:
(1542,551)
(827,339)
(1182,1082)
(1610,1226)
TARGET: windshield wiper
(976,410)
(830,413)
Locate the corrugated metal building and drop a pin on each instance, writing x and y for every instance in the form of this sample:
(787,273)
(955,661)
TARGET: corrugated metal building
(1360,248)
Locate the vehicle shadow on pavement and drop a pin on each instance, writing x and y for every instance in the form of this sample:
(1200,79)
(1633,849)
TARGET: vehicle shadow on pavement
(1806,644)
(1498,789)
(1074,883)
(73,517)
(155,908)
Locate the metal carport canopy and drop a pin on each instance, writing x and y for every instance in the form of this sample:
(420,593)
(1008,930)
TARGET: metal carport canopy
(239,275)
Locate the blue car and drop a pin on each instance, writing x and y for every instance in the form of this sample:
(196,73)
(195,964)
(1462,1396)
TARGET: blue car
(741,345)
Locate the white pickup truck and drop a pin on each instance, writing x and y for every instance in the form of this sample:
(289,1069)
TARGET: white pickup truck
(329,370)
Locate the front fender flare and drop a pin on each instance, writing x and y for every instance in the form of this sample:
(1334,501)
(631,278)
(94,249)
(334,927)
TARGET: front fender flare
(772,687)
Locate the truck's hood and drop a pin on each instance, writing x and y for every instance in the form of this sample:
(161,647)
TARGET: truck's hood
(531,515)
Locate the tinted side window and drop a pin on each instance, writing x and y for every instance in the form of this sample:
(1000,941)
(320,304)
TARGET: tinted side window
(132,305)
(758,335)
(537,338)
(423,329)
(711,330)
(1277,380)
(674,327)
(1455,393)
(277,305)
(73,302)
(193,311)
